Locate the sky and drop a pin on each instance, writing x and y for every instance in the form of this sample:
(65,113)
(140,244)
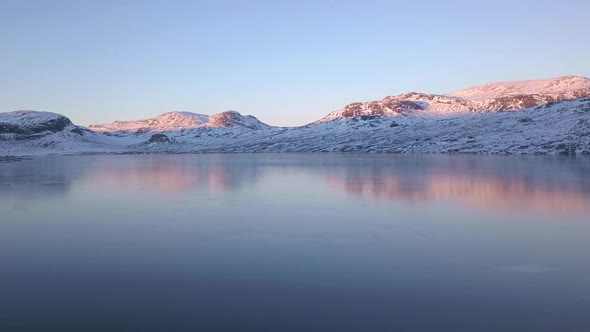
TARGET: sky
(286,62)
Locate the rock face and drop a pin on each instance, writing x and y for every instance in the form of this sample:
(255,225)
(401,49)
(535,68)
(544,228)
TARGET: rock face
(159,139)
(389,106)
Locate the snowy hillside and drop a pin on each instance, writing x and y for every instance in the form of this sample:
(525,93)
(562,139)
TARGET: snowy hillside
(233,119)
(30,122)
(462,122)
(174,121)
(491,97)
(30,132)
(566,87)
(559,128)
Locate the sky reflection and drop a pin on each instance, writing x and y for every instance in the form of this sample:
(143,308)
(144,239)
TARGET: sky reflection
(340,242)
(550,184)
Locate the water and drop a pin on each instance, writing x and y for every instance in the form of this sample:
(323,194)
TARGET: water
(295,242)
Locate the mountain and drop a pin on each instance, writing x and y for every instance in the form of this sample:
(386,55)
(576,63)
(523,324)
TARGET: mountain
(176,121)
(233,119)
(22,123)
(31,132)
(560,88)
(526,117)
(493,97)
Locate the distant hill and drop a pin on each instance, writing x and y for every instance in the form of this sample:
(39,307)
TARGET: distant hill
(549,116)
(173,121)
(492,97)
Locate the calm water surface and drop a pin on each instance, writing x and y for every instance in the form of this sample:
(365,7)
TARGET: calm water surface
(295,242)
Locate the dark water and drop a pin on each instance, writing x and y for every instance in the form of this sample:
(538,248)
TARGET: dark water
(288,242)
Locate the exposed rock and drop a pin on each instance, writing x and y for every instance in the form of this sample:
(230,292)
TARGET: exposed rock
(525,120)
(493,97)
(159,139)
(78,131)
(31,124)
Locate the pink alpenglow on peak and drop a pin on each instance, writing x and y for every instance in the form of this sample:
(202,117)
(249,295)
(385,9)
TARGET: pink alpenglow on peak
(525,117)
(570,87)
(492,97)
(176,121)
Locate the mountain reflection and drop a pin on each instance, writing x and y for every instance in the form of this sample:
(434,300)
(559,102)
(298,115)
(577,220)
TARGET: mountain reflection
(171,174)
(35,178)
(558,184)
(492,182)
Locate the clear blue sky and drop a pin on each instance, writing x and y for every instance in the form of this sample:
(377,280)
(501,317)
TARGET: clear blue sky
(286,62)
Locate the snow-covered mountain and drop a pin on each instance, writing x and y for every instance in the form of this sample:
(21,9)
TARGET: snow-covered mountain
(30,132)
(32,123)
(176,121)
(563,88)
(493,97)
(541,116)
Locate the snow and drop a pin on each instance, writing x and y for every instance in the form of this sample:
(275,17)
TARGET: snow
(556,86)
(27,118)
(493,97)
(560,128)
(412,122)
(172,121)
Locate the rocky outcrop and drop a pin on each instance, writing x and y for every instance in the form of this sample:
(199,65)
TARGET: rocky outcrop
(159,139)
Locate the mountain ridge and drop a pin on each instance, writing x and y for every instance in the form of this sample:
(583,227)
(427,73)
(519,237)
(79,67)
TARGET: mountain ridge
(562,84)
(491,97)
(556,120)
(171,121)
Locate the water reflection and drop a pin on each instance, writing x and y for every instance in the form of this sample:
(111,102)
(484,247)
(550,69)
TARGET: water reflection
(35,178)
(549,184)
(170,174)
(491,182)
(147,243)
